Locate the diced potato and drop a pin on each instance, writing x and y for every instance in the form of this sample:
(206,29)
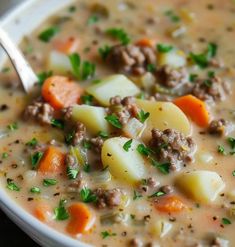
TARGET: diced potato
(128,166)
(134,128)
(161,228)
(92,117)
(164,115)
(174,58)
(59,62)
(112,86)
(202,186)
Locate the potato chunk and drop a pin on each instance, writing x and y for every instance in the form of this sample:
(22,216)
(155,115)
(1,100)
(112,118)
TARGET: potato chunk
(202,186)
(92,117)
(164,115)
(128,166)
(59,62)
(112,86)
(174,58)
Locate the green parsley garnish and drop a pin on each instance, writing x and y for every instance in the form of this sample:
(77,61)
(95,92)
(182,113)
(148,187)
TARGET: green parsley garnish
(5,69)
(4,155)
(87,195)
(13,126)
(88,70)
(172,16)
(43,76)
(92,19)
(32,143)
(221,150)
(136,195)
(72,9)
(106,234)
(60,212)
(233,173)
(87,99)
(207,83)
(142,149)
(104,51)
(113,120)
(69,137)
(87,168)
(231,142)
(48,33)
(49,182)
(35,158)
(127,145)
(164,48)
(87,144)
(142,116)
(162,167)
(119,34)
(151,67)
(226,221)
(103,134)
(12,186)
(59,123)
(211,74)
(193,77)
(72,173)
(75,62)
(157,194)
(35,190)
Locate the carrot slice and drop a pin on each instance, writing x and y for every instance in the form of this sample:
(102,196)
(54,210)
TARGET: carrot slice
(52,161)
(170,204)
(67,46)
(146,42)
(61,92)
(81,219)
(194,108)
(42,212)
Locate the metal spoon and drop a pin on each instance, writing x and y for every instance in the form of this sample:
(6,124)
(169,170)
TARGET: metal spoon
(23,69)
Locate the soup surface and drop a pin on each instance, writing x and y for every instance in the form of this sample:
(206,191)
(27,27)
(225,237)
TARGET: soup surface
(129,138)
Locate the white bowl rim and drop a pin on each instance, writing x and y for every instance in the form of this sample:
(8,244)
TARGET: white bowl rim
(10,205)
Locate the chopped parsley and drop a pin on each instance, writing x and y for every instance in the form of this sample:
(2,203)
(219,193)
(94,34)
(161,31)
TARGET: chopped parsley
(59,123)
(69,137)
(221,150)
(142,149)
(75,62)
(104,51)
(87,144)
(172,16)
(157,194)
(211,74)
(103,134)
(35,158)
(151,67)
(119,34)
(193,77)
(127,145)
(48,34)
(32,143)
(13,126)
(87,168)
(233,173)
(136,195)
(35,190)
(92,19)
(207,83)
(43,76)
(49,182)
(72,9)
(5,69)
(87,99)
(60,212)
(12,186)
(88,70)
(231,142)
(72,173)
(87,195)
(162,167)
(113,120)
(142,116)
(164,48)
(226,221)
(5,155)
(106,234)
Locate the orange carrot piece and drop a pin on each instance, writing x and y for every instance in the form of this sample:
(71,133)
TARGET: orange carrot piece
(146,42)
(67,46)
(81,219)
(52,161)
(194,108)
(60,92)
(170,204)
(42,212)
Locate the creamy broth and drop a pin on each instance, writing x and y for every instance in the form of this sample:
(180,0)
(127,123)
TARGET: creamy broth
(188,27)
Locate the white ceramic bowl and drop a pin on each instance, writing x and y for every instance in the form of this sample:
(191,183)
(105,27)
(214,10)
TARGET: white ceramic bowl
(19,22)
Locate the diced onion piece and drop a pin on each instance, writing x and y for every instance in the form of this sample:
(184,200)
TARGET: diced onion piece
(29,176)
(205,158)
(80,154)
(102,177)
(174,58)
(161,228)
(134,128)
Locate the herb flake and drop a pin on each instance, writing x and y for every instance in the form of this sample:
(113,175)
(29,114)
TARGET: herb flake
(48,34)
(113,120)
(127,145)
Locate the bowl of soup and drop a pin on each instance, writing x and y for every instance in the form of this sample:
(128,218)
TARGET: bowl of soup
(128,138)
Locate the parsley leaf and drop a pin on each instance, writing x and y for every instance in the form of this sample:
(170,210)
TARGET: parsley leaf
(233,173)
(127,145)
(4,155)
(119,34)
(231,142)
(173,17)
(113,120)
(87,99)
(92,19)
(221,150)
(59,123)
(69,137)
(87,168)
(106,234)
(75,62)
(35,158)
(48,33)
(88,70)
(211,74)
(87,195)
(157,194)
(193,77)
(226,221)
(5,69)
(136,195)
(164,48)
(142,149)
(151,67)
(87,144)
(13,126)
(162,167)
(211,50)
(12,186)
(49,182)
(43,76)
(104,51)
(35,190)
(32,143)
(142,116)
(60,212)
(72,173)
(103,134)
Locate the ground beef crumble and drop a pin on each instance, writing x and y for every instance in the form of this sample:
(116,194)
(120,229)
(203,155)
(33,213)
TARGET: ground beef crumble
(79,134)
(217,127)
(171,146)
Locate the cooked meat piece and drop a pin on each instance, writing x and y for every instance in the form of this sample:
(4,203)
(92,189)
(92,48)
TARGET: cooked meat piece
(167,189)
(97,143)
(116,100)
(135,242)
(171,146)
(79,134)
(160,97)
(217,127)
(123,116)
(71,161)
(219,242)
(149,183)
(170,77)
(131,58)
(67,113)
(214,89)
(108,198)
(39,111)
(75,186)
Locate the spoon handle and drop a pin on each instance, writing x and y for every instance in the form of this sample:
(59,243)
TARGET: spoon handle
(23,69)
